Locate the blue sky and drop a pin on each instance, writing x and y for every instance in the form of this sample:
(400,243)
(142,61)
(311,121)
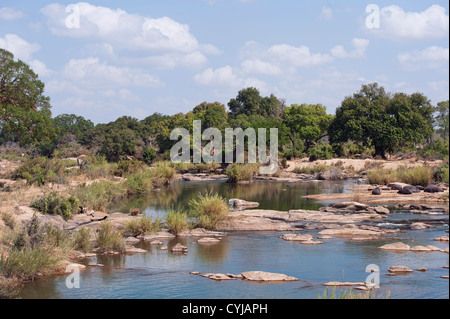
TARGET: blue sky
(139,57)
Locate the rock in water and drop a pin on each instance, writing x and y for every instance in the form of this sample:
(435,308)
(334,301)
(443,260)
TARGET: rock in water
(433,189)
(396,247)
(376,191)
(266,276)
(399,270)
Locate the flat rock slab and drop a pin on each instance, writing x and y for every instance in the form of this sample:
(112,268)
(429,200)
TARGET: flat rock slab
(266,276)
(343,284)
(200,232)
(158,236)
(208,241)
(400,270)
(442,239)
(297,237)
(134,250)
(178,248)
(397,247)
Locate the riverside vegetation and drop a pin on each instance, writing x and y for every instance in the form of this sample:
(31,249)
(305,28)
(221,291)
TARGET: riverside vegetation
(67,166)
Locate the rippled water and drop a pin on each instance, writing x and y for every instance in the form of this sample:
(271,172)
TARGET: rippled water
(161,274)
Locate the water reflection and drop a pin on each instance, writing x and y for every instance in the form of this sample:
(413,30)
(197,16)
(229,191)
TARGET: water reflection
(277,196)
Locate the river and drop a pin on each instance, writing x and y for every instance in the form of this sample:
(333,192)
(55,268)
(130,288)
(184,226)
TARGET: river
(160,274)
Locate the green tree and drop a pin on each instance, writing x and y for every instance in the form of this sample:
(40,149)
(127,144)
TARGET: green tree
(250,102)
(386,121)
(442,117)
(308,123)
(25,115)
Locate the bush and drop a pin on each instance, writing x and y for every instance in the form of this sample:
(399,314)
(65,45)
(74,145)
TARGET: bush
(29,263)
(311,169)
(54,204)
(437,149)
(149,155)
(109,239)
(162,174)
(241,172)
(139,183)
(176,222)
(41,171)
(129,167)
(421,175)
(82,240)
(209,209)
(99,196)
(320,150)
(142,226)
(440,173)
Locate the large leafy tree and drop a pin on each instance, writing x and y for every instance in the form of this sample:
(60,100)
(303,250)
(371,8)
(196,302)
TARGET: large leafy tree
(250,102)
(442,118)
(25,115)
(385,121)
(308,123)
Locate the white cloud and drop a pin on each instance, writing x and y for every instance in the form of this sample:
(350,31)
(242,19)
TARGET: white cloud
(430,58)
(359,49)
(256,66)
(90,72)
(224,76)
(7,13)
(160,39)
(23,50)
(326,14)
(397,24)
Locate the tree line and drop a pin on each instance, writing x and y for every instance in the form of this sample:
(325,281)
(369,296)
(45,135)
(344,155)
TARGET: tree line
(371,122)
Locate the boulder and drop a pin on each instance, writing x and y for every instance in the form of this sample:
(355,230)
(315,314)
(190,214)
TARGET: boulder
(297,237)
(200,232)
(421,249)
(134,250)
(442,239)
(178,248)
(396,186)
(158,236)
(266,276)
(381,210)
(241,204)
(208,241)
(422,269)
(408,190)
(396,247)
(217,277)
(132,240)
(400,270)
(419,226)
(156,243)
(433,189)
(376,191)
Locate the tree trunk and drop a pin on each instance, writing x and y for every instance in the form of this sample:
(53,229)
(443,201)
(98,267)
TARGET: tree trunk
(380,151)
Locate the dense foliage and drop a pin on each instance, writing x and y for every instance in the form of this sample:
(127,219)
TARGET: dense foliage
(370,122)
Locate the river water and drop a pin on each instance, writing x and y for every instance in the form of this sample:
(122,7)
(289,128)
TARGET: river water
(160,274)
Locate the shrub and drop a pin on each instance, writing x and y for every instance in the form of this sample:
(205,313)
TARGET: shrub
(129,167)
(41,171)
(421,175)
(29,263)
(176,222)
(311,169)
(108,238)
(82,240)
(99,195)
(241,172)
(10,287)
(440,173)
(149,155)
(54,204)
(139,183)
(209,209)
(9,220)
(437,149)
(142,226)
(162,174)
(320,150)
